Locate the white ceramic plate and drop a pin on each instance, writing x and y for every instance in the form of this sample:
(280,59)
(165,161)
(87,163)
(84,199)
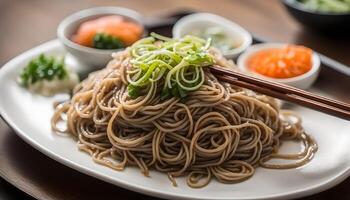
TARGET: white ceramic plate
(30,116)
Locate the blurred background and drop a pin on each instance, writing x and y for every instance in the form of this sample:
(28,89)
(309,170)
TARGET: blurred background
(28,23)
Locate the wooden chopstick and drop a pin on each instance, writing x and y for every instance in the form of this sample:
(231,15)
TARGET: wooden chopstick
(284,92)
(281,87)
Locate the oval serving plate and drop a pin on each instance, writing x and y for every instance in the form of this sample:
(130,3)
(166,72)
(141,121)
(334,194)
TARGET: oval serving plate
(29,115)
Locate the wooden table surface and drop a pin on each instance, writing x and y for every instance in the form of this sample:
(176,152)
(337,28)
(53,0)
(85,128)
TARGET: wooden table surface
(25,24)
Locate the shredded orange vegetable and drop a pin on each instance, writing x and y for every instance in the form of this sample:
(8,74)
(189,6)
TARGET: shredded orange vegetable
(287,62)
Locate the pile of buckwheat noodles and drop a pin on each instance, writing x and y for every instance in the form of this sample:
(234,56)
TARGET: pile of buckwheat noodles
(156,106)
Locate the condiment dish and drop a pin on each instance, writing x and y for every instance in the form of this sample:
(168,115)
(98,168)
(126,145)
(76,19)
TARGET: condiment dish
(303,81)
(325,22)
(90,57)
(206,20)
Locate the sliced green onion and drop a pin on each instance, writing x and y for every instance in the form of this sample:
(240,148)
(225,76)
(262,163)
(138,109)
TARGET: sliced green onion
(43,67)
(105,41)
(175,63)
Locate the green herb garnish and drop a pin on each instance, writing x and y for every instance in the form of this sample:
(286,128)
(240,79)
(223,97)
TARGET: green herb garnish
(42,68)
(105,41)
(175,63)
(133,91)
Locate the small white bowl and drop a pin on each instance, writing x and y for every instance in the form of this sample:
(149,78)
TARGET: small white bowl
(303,81)
(90,57)
(205,20)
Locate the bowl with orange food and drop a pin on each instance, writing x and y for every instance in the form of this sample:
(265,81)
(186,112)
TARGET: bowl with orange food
(294,65)
(92,35)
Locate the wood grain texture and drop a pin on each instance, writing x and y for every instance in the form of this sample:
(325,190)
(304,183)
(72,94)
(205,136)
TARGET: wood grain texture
(25,24)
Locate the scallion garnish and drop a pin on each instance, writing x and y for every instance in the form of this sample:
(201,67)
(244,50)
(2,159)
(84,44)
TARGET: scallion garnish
(176,63)
(105,41)
(43,68)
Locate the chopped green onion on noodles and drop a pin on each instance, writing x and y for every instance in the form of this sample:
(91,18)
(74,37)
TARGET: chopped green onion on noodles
(177,64)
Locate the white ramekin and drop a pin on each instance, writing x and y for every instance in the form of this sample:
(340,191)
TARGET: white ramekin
(199,20)
(303,81)
(92,58)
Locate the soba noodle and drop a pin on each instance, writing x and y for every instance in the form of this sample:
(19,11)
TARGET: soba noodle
(217,131)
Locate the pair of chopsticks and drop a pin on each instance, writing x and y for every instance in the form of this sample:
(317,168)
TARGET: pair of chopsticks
(284,92)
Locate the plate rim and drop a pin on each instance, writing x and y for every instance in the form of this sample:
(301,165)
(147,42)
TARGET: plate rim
(52,44)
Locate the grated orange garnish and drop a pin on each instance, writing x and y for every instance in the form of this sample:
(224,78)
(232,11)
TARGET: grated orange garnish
(287,62)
